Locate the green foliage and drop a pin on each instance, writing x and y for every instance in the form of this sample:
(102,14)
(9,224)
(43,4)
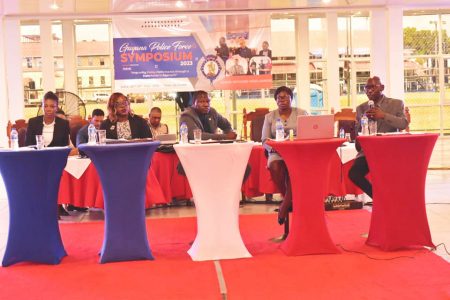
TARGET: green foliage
(424,42)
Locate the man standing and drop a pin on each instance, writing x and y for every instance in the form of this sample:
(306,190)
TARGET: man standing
(154,122)
(390,117)
(201,115)
(97,118)
(223,51)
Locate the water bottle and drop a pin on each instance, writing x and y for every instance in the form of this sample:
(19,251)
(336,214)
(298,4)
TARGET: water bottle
(279,130)
(342,133)
(14,139)
(364,125)
(183,133)
(372,127)
(92,135)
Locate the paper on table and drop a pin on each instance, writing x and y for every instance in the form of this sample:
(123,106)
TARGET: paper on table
(77,166)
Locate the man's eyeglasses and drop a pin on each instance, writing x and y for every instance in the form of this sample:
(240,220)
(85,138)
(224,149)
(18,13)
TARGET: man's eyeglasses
(370,86)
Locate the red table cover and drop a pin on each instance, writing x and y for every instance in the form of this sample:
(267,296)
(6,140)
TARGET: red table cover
(398,167)
(308,165)
(163,184)
(259,182)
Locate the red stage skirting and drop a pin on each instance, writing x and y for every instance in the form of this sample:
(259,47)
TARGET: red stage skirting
(260,183)
(173,275)
(164,183)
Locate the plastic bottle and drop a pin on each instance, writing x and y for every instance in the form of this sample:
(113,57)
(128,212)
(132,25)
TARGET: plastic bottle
(184,133)
(372,123)
(364,125)
(279,130)
(14,139)
(341,133)
(92,134)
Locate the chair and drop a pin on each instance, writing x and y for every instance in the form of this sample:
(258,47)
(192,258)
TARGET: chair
(346,119)
(408,117)
(75,124)
(256,119)
(21,126)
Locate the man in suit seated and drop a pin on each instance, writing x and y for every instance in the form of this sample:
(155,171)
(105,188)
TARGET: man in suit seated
(390,117)
(201,115)
(154,122)
(98,116)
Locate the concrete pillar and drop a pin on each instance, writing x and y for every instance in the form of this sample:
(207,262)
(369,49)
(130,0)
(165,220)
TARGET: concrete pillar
(13,70)
(396,65)
(302,61)
(332,59)
(48,67)
(69,56)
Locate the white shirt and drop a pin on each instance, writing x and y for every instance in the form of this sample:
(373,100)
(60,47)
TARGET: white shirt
(47,132)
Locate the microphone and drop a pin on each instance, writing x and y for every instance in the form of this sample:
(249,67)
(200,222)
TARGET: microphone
(371,104)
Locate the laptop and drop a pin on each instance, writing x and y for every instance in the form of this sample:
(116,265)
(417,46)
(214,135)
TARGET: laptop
(315,127)
(167,139)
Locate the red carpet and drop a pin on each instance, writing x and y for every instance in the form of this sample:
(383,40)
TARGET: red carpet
(268,275)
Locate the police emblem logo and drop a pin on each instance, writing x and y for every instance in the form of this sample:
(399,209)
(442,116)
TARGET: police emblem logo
(211,67)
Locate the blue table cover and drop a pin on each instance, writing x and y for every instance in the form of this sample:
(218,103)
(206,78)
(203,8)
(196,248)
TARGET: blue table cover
(122,169)
(32,182)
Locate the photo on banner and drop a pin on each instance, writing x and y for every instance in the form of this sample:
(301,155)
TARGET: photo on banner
(186,53)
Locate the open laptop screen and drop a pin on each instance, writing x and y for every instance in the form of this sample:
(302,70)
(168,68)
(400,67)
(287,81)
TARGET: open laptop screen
(315,127)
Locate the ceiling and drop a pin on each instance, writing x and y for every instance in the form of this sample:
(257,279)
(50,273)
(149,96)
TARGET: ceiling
(36,7)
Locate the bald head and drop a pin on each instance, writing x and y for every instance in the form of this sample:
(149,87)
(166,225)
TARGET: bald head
(374,88)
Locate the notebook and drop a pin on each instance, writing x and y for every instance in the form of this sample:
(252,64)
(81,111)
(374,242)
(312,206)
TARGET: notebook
(167,139)
(315,127)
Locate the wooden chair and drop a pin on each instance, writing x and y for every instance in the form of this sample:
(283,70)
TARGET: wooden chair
(21,126)
(75,124)
(256,119)
(408,117)
(346,119)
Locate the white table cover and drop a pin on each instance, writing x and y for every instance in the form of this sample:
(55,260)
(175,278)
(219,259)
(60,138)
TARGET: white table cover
(347,152)
(215,173)
(77,166)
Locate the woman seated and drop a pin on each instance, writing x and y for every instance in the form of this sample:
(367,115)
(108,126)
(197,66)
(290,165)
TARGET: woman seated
(278,170)
(55,130)
(121,122)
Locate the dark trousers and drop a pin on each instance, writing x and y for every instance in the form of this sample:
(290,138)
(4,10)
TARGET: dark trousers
(358,173)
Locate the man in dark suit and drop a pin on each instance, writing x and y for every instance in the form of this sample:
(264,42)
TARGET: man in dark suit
(56,131)
(265,50)
(390,117)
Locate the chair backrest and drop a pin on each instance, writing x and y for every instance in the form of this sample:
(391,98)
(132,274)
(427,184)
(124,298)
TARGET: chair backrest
(256,119)
(75,125)
(408,117)
(22,136)
(346,119)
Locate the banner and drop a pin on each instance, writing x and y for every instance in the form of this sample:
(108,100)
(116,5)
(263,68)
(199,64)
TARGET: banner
(186,53)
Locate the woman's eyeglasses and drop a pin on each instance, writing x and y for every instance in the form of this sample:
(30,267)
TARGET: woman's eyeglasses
(285,97)
(122,103)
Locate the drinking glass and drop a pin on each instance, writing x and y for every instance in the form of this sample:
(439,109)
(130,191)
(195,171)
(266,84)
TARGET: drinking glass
(197,136)
(40,142)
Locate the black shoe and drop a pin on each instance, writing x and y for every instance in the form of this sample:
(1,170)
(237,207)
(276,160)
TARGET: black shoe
(281,220)
(62,211)
(71,207)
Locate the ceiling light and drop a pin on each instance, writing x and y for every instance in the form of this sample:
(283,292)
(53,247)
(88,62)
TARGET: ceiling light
(326,1)
(179,4)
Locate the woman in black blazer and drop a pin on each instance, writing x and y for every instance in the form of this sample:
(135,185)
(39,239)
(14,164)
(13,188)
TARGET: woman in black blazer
(121,122)
(56,131)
